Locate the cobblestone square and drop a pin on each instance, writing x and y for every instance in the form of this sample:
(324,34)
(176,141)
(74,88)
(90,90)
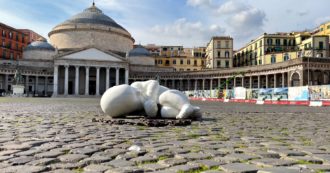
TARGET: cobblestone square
(58,135)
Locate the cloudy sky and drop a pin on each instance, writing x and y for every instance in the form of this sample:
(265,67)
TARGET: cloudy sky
(190,23)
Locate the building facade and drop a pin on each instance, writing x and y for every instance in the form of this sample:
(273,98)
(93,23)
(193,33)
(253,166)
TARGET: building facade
(13,42)
(219,52)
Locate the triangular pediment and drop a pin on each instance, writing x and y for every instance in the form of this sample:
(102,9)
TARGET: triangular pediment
(92,54)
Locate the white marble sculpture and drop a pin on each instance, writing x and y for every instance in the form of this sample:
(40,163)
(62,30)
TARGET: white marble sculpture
(121,100)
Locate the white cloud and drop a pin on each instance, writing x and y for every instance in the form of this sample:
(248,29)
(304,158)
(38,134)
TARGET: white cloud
(196,3)
(247,23)
(186,32)
(232,7)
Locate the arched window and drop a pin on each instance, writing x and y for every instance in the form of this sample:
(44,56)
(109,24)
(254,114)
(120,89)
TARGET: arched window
(227,54)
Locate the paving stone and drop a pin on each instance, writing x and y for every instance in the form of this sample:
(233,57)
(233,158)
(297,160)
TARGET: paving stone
(49,154)
(239,168)
(96,168)
(193,156)
(20,160)
(173,162)
(43,161)
(273,162)
(126,170)
(13,146)
(306,159)
(184,168)
(241,157)
(85,151)
(153,167)
(120,163)
(25,169)
(278,170)
(206,163)
(63,171)
(144,159)
(70,158)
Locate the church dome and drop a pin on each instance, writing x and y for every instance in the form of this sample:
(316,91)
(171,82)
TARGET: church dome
(92,15)
(40,44)
(139,51)
(91,28)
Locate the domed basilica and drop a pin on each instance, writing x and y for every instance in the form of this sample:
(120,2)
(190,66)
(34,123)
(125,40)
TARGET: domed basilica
(87,54)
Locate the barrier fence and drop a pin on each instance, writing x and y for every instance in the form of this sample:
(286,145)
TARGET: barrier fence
(305,95)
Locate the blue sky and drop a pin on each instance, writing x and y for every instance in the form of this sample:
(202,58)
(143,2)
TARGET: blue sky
(190,23)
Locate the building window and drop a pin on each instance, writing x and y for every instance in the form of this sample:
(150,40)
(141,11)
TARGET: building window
(4,54)
(10,35)
(219,53)
(285,42)
(155,61)
(174,61)
(202,62)
(167,62)
(181,69)
(227,44)
(195,62)
(188,62)
(286,57)
(328,27)
(3,43)
(227,64)
(218,63)
(3,33)
(188,69)
(227,54)
(181,61)
(278,42)
(218,44)
(160,61)
(269,41)
(260,43)
(321,45)
(273,59)
(11,55)
(321,29)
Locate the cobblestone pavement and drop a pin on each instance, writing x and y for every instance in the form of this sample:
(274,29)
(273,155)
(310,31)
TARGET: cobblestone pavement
(58,135)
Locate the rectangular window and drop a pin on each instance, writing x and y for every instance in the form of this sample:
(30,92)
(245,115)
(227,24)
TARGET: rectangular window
(321,45)
(11,55)
(218,44)
(227,64)
(160,62)
(227,44)
(188,62)
(285,42)
(218,63)
(3,43)
(181,61)
(174,61)
(219,53)
(195,62)
(4,54)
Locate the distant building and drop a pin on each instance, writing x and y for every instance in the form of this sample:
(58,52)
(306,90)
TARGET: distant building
(32,36)
(13,42)
(219,52)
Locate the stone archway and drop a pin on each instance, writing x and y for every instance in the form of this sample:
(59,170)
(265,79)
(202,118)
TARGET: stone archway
(295,79)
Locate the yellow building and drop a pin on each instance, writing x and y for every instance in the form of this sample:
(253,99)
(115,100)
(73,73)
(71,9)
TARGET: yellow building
(323,29)
(181,59)
(219,52)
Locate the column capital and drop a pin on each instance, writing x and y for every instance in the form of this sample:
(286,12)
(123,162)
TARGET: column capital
(66,66)
(76,66)
(87,67)
(97,68)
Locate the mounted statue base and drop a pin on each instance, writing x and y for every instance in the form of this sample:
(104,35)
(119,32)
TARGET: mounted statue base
(18,90)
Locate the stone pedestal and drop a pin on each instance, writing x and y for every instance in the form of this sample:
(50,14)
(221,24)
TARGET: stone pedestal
(18,90)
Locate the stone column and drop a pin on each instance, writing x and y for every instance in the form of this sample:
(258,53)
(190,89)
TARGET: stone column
(27,85)
(211,84)
(165,82)
(36,85)
(227,83)
(126,75)
(46,85)
(76,88)
(55,81)
(251,82)
(87,81)
(66,80)
(107,78)
(242,81)
(181,85)
(283,80)
(97,92)
(289,79)
(234,82)
(258,81)
(117,76)
(219,83)
(266,80)
(6,82)
(173,84)
(275,81)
